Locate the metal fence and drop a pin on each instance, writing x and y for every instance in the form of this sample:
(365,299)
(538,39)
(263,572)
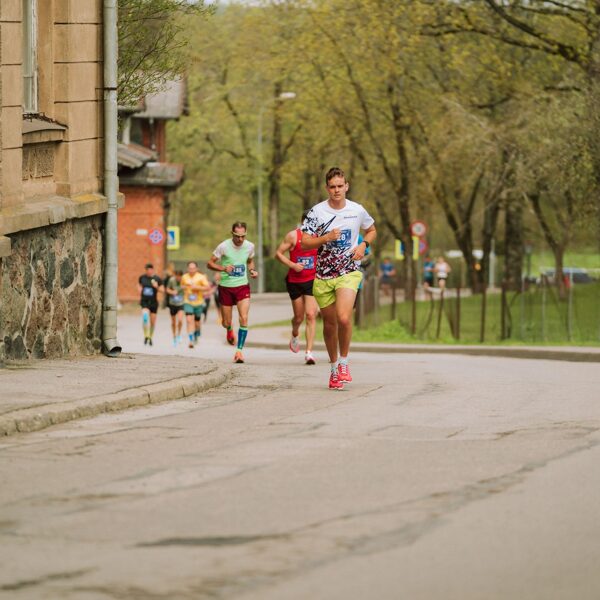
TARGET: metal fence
(536,313)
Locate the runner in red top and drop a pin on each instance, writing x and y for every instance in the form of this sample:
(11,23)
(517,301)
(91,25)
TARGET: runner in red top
(299,282)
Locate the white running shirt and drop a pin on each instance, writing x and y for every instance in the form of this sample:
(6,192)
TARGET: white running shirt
(335,258)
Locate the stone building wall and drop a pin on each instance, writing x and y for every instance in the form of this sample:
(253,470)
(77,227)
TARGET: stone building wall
(51,291)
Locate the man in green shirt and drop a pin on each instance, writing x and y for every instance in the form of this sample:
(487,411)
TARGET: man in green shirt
(234,260)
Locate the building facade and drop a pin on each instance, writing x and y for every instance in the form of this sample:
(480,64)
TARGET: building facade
(51,178)
(147,180)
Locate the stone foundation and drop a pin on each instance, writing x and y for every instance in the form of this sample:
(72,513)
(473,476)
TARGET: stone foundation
(51,291)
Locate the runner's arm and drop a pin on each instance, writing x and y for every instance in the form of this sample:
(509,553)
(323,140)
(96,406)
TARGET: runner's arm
(253,272)
(213,265)
(285,246)
(369,236)
(310,243)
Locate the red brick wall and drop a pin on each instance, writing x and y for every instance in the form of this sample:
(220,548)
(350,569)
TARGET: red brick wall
(143,210)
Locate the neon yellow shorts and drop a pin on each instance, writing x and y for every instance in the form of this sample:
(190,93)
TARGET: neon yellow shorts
(324,289)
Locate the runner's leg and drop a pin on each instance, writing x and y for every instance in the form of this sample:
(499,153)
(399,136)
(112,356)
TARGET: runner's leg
(311,309)
(189,320)
(344,304)
(243,307)
(146,323)
(330,332)
(152,324)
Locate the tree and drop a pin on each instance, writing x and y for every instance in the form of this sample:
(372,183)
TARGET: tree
(152,44)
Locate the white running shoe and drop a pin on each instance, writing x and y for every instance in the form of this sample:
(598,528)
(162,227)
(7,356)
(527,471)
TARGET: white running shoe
(294,343)
(309,359)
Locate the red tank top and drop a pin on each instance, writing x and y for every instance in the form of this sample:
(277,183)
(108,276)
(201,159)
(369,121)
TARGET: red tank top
(307,257)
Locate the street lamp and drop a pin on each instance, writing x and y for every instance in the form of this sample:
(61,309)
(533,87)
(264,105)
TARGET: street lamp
(259,209)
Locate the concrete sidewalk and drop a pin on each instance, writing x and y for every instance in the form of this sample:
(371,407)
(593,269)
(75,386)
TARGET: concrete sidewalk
(37,394)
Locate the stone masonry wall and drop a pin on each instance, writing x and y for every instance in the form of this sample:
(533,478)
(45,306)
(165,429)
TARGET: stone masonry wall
(51,291)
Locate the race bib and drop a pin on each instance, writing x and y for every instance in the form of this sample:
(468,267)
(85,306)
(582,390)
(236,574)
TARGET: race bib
(238,271)
(344,240)
(193,297)
(147,291)
(307,261)
(177,298)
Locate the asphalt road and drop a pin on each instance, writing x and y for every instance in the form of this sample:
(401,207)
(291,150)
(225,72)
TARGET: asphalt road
(429,477)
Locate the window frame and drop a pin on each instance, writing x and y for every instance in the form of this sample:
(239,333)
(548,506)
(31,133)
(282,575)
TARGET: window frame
(30,57)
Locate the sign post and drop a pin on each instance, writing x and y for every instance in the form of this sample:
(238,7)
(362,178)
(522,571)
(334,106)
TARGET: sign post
(173,238)
(418,228)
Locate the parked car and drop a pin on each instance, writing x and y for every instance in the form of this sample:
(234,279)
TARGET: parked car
(579,275)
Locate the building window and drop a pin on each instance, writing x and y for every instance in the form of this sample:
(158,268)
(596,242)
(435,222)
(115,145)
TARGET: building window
(30,76)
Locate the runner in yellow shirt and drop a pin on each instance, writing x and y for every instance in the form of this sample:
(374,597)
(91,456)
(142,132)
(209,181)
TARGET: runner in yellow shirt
(195,285)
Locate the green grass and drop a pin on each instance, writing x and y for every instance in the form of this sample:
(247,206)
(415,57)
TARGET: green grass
(582,260)
(586,320)
(525,323)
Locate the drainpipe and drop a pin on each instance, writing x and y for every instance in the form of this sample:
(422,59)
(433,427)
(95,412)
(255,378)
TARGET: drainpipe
(110,345)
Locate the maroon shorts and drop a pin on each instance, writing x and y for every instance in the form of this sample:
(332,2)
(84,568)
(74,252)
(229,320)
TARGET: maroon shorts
(228,296)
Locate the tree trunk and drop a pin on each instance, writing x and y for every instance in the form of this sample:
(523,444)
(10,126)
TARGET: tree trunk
(559,273)
(490,220)
(513,243)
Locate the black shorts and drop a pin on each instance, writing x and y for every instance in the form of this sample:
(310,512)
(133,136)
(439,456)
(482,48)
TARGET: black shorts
(151,305)
(295,290)
(175,309)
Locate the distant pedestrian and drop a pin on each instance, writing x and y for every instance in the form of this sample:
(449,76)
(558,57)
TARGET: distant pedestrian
(174,292)
(364,264)
(387,276)
(442,270)
(234,260)
(333,227)
(194,285)
(299,283)
(428,272)
(149,284)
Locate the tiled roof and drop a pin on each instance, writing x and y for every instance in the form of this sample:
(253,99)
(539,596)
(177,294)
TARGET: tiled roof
(134,156)
(154,174)
(171,103)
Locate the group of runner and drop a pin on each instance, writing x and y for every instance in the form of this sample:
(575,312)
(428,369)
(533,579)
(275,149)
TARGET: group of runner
(187,294)
(323,256)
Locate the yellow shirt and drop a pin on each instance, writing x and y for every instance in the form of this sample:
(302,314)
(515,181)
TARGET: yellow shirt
(193,297)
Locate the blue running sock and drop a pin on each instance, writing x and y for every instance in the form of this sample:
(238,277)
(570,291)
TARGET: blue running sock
(242,334)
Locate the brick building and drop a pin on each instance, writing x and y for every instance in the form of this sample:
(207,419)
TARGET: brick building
(51,178)
(146,179)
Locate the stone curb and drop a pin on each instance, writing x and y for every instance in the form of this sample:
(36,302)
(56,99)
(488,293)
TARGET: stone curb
(579,355)
(34,419)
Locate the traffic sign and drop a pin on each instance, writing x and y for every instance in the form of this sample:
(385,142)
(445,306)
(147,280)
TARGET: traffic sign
(399,249)
(423,246)
(418,228)
(173,238)
(156,236)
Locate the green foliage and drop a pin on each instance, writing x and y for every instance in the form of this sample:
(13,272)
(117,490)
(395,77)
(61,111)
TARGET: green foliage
(152,44)
(441,111)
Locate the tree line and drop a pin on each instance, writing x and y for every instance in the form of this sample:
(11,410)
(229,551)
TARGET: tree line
(480,117)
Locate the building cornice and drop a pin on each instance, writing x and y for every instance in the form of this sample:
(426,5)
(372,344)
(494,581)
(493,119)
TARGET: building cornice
(48,210)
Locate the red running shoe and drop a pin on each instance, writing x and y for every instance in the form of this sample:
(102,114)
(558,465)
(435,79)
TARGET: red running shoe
(230,337)
(344,373)
(238,358)
(334,382)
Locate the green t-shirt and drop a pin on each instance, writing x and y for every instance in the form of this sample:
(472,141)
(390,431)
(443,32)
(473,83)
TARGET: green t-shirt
(177,299)
(230,254)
